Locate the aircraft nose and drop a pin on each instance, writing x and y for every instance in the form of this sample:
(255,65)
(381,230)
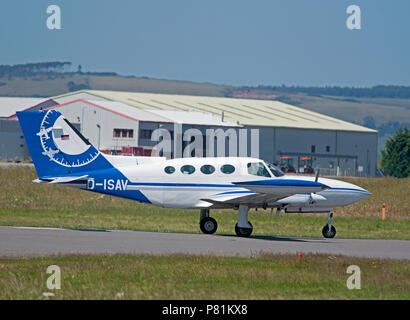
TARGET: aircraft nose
(354,192)
(362,193)
(366,193)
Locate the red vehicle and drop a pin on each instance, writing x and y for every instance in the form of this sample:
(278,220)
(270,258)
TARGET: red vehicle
(305,165)
(286,164)
(136,151)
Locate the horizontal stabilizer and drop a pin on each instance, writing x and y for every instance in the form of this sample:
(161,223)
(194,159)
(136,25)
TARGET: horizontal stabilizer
(61,179)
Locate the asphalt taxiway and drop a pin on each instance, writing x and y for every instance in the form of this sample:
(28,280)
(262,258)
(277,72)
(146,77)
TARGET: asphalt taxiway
(28,242)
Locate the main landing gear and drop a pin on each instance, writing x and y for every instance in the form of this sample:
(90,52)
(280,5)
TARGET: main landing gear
(207,224)
(328,230)
(243,227)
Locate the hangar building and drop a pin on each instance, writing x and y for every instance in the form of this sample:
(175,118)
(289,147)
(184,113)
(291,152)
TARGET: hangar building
(118,121)
(12,144)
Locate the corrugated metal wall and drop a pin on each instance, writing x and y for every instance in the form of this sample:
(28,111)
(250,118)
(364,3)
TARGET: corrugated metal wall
(12,143)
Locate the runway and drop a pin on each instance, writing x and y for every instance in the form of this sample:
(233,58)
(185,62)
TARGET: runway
(29,242)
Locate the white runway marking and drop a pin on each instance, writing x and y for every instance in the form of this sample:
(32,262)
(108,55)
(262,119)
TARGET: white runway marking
(37,228)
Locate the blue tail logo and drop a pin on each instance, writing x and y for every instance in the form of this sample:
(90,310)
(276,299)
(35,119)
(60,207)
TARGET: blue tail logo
(56,146)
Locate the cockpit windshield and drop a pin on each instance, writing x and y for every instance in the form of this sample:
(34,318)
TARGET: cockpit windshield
(275,170)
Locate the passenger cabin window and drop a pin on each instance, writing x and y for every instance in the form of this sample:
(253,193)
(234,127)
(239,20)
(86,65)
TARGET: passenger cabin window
(207,169)
(188,169)
(227,169)
(169,169)
(258,169)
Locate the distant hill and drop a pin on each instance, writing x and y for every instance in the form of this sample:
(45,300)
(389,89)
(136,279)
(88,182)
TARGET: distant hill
(47,85)
(47,79)
(384,108)
(381,91)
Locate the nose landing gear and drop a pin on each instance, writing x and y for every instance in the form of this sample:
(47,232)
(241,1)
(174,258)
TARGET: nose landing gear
(328,230)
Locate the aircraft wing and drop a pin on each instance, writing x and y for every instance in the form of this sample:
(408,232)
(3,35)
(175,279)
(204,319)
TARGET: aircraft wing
(241,197)
(264,191)
(282,187)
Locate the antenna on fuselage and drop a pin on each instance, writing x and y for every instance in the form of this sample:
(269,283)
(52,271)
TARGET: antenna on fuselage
(317,175)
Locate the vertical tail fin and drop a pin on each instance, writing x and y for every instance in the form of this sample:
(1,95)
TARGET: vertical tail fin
(56,146)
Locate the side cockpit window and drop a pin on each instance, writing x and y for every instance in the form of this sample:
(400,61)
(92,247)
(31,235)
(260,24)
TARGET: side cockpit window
(258,169)
(275,170)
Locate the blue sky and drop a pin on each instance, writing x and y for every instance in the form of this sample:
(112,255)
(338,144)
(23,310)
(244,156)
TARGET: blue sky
(272,42)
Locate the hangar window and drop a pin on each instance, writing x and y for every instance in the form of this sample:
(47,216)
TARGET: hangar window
(169,169)
(258,169)
(207,169)
(227,169)
(188,169)
(146,133)
(327,148)
(123,133)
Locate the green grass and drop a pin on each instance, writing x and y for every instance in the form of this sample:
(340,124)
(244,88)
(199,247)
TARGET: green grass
(23,203)
(204,277)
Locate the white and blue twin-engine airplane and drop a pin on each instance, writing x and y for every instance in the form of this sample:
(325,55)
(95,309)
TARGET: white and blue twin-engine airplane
(62,155)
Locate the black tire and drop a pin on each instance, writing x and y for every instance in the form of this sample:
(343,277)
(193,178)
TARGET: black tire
(243,232)
(208,225)
(329,233)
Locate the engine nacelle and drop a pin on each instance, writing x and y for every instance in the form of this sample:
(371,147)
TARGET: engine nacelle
(301,200)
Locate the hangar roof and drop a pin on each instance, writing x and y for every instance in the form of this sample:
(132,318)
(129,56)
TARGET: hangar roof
(152,115)
(9,105)
(265,113)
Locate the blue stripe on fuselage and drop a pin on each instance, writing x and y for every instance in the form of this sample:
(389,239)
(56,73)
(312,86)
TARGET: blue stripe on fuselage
(350,189)
(281,183)
(273,183)
(158,184)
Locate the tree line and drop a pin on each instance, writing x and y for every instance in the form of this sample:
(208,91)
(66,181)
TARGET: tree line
(380,91)
(39,68)
(32,69)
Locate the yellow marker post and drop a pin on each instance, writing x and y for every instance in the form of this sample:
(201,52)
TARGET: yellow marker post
(384,211)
